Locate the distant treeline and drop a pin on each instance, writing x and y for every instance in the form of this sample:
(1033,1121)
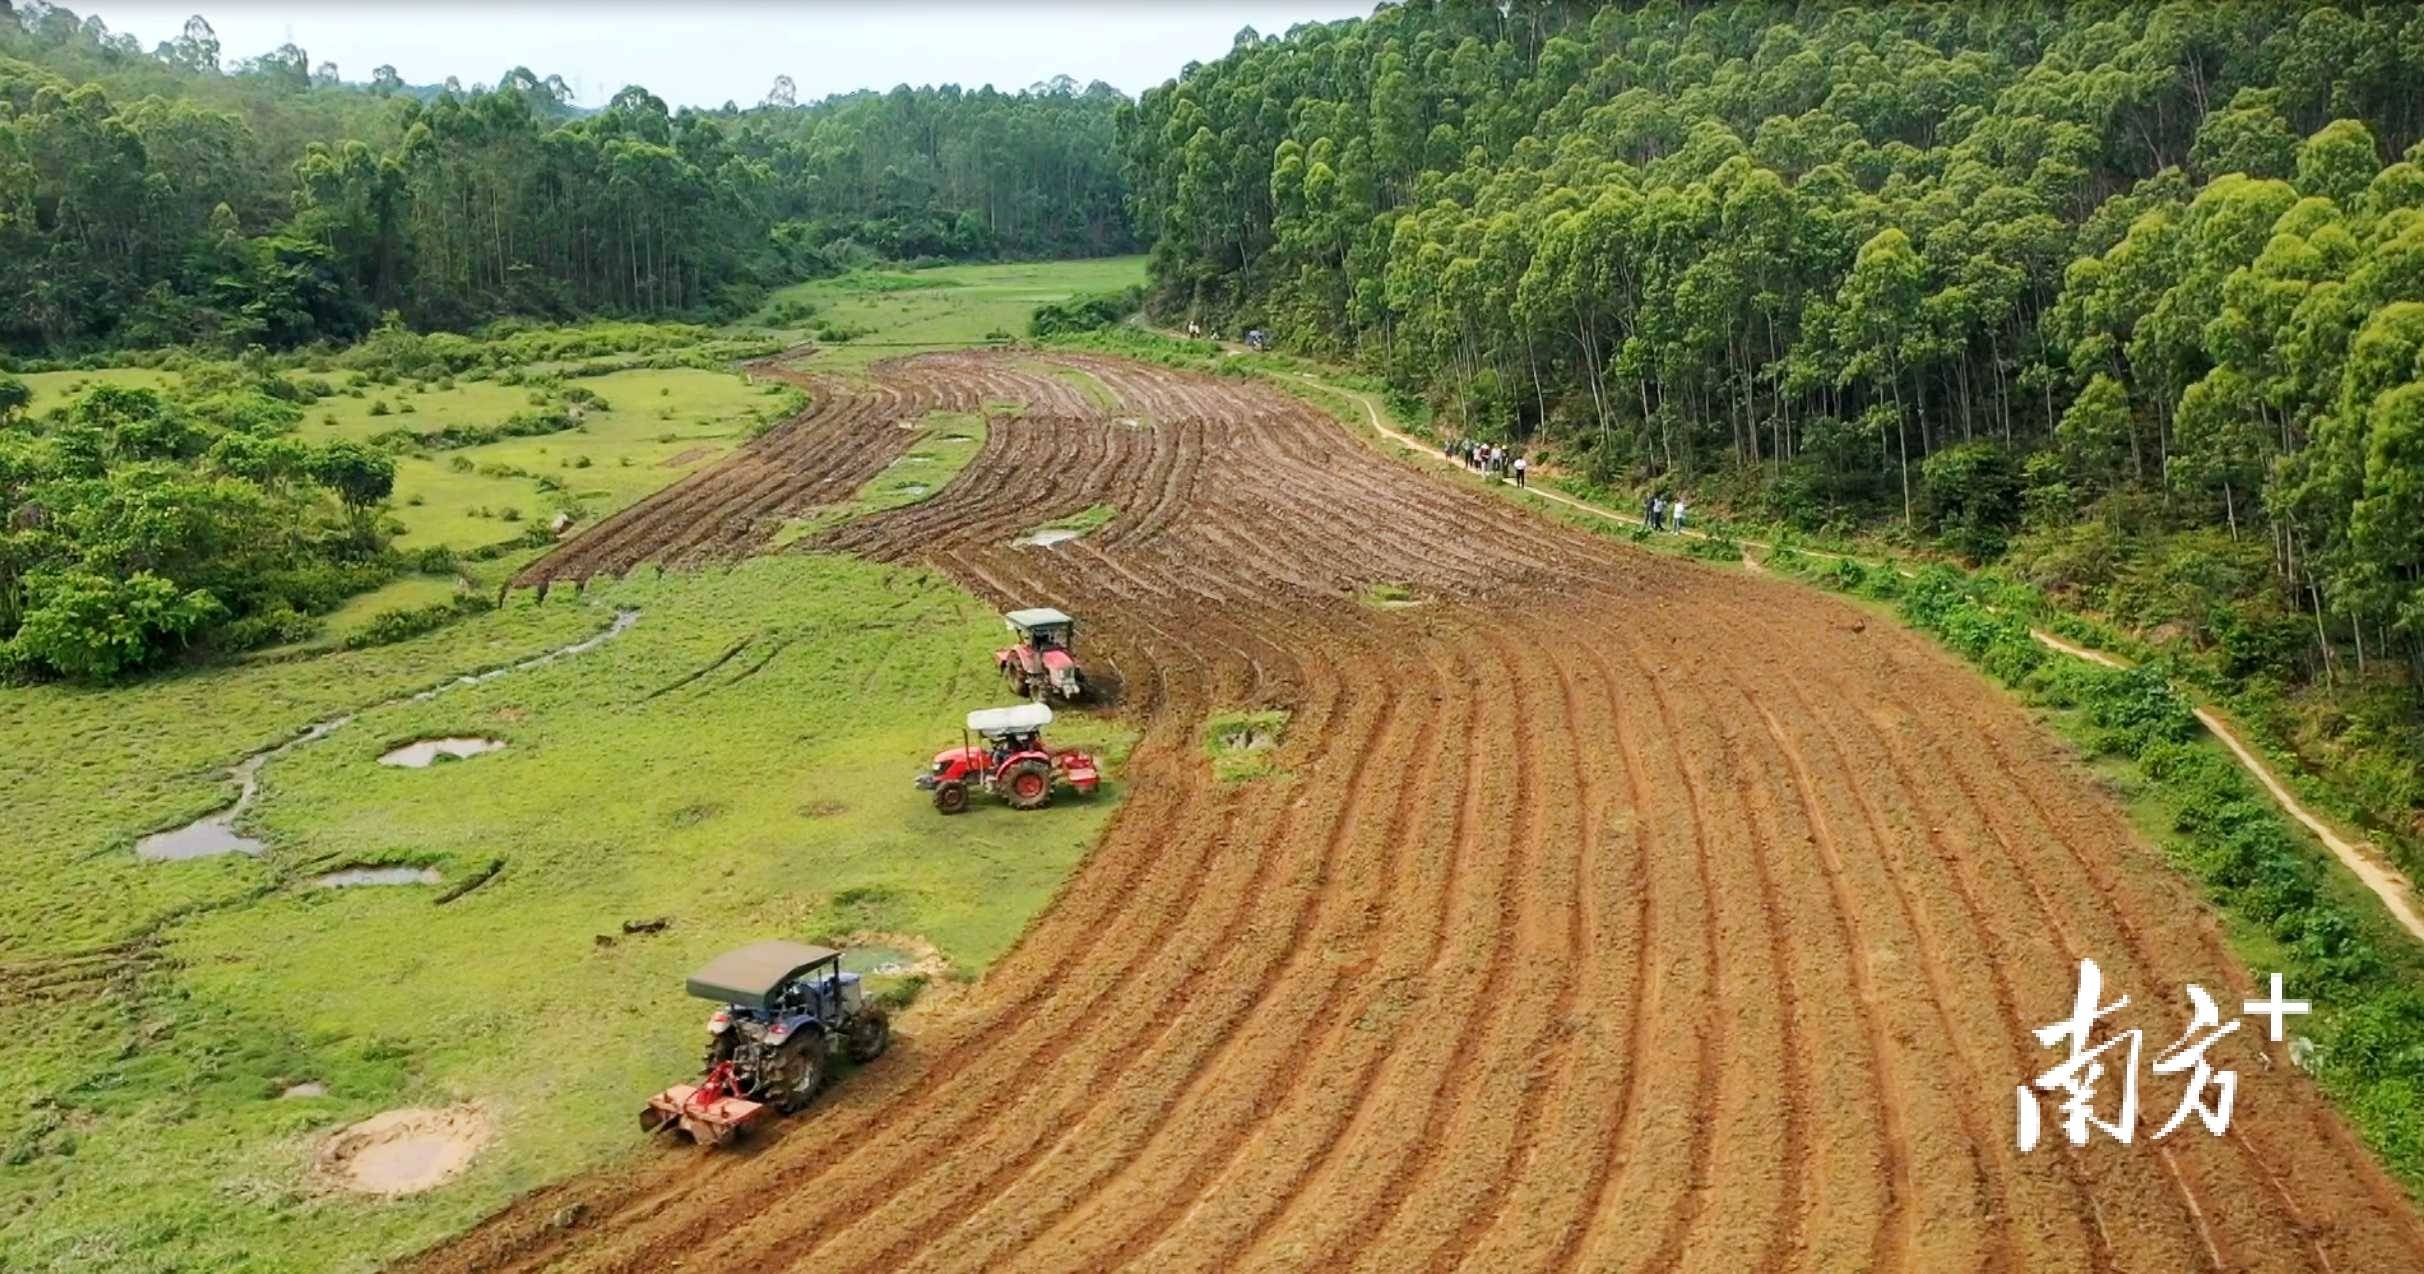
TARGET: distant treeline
(168,198)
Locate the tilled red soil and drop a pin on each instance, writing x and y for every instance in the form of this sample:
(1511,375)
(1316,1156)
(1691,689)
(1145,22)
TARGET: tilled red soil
(1606,911)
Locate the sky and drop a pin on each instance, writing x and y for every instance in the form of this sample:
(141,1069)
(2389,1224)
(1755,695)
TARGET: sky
(703,52)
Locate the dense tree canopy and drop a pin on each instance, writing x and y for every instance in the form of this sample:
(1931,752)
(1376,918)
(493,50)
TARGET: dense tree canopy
(2161,263)
(164,198)
(132,523)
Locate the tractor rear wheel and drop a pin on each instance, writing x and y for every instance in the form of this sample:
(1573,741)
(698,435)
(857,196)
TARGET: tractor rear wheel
(796,1071)
(870,1034)
(951,798)
(719,1049)
(1027,785)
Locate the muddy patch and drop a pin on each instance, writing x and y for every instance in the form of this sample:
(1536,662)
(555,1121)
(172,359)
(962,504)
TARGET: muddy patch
(870,952)
(357,877)
(685,456)
(298,1092)
(427,752)
(1047,537)
(404,1151)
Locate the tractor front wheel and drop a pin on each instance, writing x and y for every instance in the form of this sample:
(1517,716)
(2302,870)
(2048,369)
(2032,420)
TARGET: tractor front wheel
(797,1071)
(951,798)
(870,1034)
(1027,785)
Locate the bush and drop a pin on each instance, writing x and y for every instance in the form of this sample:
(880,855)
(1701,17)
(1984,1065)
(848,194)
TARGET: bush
(1085,313)
(412,621)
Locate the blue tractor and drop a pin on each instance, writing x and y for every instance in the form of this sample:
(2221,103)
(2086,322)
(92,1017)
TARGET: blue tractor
(786,1008)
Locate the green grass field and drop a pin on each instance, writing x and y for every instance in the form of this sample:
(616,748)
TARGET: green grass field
(737,762)
(946,307)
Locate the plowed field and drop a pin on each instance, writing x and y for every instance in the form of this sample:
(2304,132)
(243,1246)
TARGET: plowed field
(1603,911)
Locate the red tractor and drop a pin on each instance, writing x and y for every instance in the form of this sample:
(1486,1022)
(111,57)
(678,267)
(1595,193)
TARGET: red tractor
(1012,762)
(1040,664)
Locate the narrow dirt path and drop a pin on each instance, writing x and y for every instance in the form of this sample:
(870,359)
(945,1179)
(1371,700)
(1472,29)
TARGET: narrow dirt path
(2393,888)
(1603,910)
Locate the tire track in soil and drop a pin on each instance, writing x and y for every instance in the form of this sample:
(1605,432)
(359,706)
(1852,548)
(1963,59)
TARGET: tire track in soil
(1894,1237)
(1393,843)
(2133,970)
(1505,1018)
(1311,913)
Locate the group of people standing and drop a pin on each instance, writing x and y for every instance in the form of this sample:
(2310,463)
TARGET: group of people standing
(1488,459)
(1661,513)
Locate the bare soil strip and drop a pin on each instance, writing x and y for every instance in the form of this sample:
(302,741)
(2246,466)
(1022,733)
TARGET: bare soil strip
(1607,911)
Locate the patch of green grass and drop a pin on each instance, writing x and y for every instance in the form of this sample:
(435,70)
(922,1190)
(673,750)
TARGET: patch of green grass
(1086,383)
(1091,518)
(57,389)
(655,425)
(1389,595)
(944,444)
(1241,743)
(409,592)
(671,771)
(951,307)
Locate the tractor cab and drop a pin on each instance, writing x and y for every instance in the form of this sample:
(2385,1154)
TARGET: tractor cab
(1041,661)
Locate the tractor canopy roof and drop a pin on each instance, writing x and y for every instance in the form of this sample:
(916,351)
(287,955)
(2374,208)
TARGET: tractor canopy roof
(751,975)
(1039,617)
(1018,719)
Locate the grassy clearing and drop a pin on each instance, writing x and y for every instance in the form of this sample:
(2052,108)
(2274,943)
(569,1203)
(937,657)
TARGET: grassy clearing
(886,314)
(1388,595)
(1242,743)
(56,389)
(739,761)
(653,426)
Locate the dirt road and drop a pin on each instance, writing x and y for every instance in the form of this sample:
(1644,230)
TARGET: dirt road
(1606,911)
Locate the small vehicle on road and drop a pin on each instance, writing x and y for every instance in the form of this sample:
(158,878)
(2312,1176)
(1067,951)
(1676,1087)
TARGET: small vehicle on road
(1041,662)
(785,1009)
(1010,759)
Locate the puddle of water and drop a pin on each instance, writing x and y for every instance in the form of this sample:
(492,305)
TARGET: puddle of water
(203,839)
(1048,537)
(215,833)
(421,755)
(353,876)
